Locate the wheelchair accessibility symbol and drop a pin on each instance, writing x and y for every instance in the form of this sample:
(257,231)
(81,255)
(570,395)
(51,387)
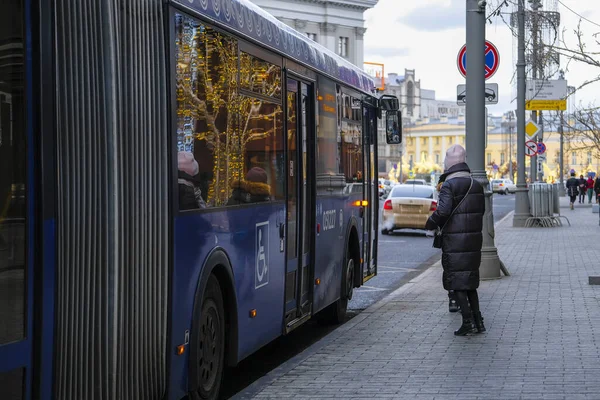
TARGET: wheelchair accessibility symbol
(261,277)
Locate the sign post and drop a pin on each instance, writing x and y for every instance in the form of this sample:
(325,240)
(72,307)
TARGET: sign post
(481,67)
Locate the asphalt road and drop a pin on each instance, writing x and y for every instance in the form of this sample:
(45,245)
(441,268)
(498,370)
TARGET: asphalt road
(402,255)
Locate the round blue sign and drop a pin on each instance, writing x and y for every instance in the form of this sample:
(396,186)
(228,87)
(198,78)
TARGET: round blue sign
(541,148)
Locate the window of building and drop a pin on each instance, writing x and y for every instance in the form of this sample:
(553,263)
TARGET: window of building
(343,46)
(450,140)
(424,141)
(437,140)
(410,141)
(411,160)
(437,158)
(573,158)
(489,158)
(462,139)
(501,158)
(589,157)
(311,36)
(424,156)
(229,142)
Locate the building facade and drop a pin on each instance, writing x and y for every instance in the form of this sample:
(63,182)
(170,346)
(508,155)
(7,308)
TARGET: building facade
(336,24)
(426,144)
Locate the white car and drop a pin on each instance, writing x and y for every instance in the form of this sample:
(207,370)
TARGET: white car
(503,186)
(415,182)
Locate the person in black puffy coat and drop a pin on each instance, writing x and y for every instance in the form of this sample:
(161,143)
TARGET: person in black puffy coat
(462,236)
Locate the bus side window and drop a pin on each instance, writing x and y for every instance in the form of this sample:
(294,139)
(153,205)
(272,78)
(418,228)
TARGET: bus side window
(206,102)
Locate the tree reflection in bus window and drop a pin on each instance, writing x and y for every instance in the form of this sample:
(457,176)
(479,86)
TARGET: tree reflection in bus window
(12,177)
(230,144)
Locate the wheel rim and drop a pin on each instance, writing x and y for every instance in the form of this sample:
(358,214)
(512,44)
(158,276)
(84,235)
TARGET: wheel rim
(209,346)
(350,278)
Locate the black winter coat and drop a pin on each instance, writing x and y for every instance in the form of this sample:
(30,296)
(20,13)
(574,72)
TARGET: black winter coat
(572,186)
(461,237)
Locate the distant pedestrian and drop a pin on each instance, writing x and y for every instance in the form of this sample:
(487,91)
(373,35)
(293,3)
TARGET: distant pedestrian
(597,187)
(582,189)
(572,188)
(590,188)
(459,216)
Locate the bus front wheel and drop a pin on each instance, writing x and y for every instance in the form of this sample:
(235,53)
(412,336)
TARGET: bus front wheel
(211,342)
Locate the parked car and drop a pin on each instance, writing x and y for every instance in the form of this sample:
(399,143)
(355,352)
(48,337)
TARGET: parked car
(415,182)
(386,184)
(503,186)
(408,206)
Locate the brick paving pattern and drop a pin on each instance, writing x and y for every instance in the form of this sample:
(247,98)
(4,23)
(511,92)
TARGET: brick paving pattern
(542,342)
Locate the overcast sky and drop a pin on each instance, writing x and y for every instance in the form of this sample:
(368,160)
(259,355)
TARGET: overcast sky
(426,35)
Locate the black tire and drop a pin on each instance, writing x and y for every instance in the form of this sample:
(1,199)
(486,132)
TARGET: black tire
(336,313)
(211,342)
(505,191)
(385,232)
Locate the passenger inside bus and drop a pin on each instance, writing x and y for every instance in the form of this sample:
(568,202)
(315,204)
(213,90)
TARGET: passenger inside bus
(190,194)
(253,189)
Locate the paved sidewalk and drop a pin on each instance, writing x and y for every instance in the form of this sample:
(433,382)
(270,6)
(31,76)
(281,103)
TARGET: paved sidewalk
(542,342)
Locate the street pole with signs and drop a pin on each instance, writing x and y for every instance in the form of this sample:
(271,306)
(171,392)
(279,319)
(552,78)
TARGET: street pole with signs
(475,131)
(522,199)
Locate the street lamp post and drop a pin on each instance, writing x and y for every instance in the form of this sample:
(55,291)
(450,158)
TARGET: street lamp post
(510,146)
(522,199)
(475,131)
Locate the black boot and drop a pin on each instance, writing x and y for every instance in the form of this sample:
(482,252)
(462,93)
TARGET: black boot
(467,327)
(478,319)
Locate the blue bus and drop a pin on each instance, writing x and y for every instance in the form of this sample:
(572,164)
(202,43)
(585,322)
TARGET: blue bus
(181,183)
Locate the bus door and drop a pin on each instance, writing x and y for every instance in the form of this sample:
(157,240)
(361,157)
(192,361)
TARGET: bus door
(299,271)
(371,190)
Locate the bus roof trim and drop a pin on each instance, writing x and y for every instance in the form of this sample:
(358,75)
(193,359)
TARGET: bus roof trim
(248,19)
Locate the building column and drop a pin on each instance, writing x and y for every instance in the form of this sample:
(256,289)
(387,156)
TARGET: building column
(443,148)
(430,150)
(418,149)
(359,56)
(328,34)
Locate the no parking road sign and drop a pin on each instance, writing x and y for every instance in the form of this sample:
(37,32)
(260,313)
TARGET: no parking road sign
(530,148)
(541,148)
(492,60)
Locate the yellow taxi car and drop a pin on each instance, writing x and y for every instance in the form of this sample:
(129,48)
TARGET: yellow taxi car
(408,206)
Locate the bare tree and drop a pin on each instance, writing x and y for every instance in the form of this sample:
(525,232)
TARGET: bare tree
(584,130)
(585,49)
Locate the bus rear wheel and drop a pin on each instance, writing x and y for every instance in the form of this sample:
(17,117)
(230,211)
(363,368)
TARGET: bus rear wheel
(211,342)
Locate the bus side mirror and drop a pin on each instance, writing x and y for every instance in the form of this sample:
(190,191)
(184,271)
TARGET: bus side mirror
(389,103)
(393,127)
